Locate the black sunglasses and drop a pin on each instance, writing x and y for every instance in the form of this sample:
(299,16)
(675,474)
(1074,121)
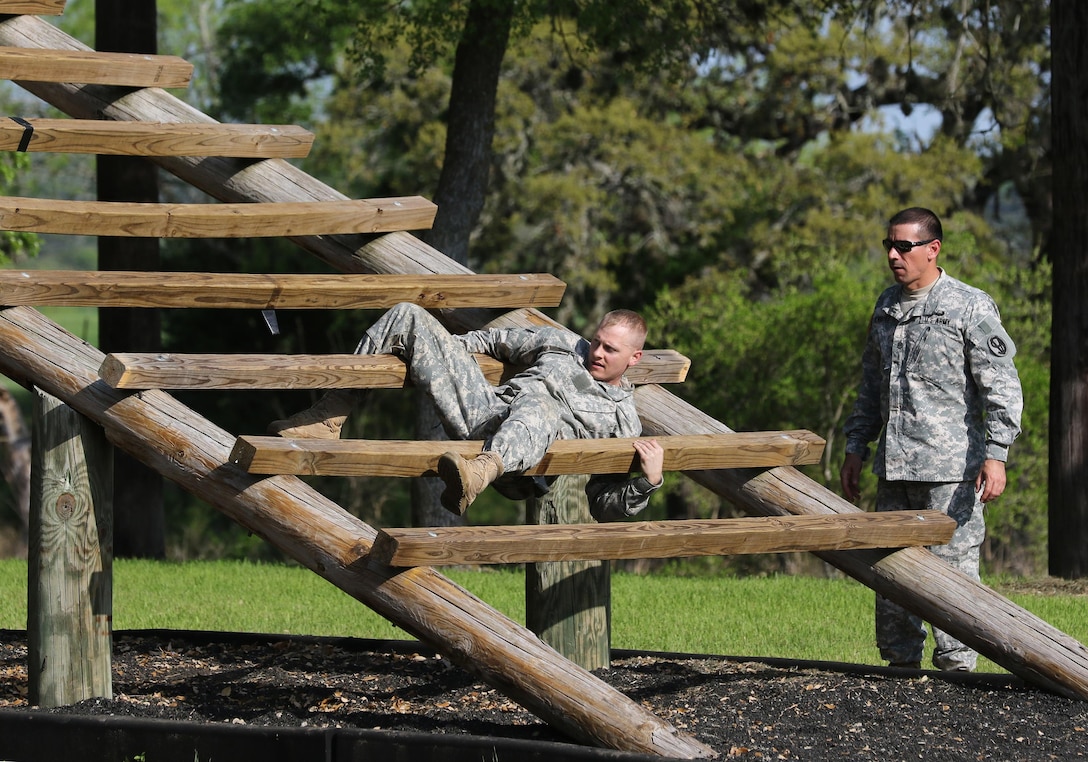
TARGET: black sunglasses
(904,246)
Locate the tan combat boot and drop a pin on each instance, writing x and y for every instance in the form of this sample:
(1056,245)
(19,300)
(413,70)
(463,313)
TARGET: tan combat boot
(466,479)
(322,421)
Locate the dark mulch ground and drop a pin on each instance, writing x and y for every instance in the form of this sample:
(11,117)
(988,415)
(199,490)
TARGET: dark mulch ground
(741,708)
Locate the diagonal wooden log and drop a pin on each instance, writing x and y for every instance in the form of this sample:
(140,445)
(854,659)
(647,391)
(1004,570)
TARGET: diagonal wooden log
(532,543)
(918,580)
(192,451)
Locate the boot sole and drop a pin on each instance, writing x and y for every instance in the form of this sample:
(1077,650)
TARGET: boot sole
(453,496)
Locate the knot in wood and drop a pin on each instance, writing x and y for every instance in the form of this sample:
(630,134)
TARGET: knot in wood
(66,506)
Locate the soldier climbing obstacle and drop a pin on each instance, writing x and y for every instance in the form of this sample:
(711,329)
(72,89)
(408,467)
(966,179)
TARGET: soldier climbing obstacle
(570,388)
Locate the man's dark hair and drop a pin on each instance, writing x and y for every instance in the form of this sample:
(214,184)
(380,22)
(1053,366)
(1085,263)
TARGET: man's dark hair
(928,222)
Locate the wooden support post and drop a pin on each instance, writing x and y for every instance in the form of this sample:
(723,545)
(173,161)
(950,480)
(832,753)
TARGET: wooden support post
(568,603)
(70,595)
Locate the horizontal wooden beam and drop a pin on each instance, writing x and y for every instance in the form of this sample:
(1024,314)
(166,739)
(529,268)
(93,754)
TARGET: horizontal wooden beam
(291,218)
(97,136)
(165,370)
(89,67)
(32,7)
(368,457)
(117,288)
(434,546)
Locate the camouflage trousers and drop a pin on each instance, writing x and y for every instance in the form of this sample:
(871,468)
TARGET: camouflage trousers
(901,635)
(520,429)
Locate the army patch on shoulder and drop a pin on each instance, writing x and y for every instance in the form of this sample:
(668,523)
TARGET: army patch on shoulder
(997,346)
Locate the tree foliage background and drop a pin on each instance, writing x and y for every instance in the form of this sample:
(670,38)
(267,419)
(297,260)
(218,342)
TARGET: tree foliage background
(726,168)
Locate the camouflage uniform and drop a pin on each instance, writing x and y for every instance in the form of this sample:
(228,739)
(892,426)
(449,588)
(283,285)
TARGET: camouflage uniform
(940,390)
(554,397)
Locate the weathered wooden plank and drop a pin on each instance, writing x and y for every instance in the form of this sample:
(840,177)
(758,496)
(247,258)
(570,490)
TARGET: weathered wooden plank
(659,539)
(164,370)
(130,370)
(94,68)
(97,136)
(33,7)
(115,288)
(69,606)
(115,218)
(371,457)
(320,535)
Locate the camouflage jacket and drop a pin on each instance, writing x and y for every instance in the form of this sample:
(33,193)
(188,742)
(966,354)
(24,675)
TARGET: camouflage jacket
(939,387)
(553,362)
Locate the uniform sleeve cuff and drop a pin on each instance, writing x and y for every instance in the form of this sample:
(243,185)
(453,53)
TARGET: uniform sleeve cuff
(862,450)
(645,486)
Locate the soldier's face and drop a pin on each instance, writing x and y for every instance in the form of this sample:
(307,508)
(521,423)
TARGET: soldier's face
(916,268)
(611,353)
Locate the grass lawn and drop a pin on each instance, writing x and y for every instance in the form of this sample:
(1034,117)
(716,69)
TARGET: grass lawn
(787,617)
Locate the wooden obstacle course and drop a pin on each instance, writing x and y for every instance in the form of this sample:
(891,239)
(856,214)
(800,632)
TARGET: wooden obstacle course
(94,68)
(300,218)
(255,141)
(141,288)
(429,546)
(369,457)
(165,370)
(324,538)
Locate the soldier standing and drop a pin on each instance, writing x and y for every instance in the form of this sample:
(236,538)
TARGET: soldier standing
(941,396)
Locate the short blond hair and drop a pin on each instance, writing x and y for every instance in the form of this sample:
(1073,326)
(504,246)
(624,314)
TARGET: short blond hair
(630,320)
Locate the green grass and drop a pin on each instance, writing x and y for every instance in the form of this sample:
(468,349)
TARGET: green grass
(785,617)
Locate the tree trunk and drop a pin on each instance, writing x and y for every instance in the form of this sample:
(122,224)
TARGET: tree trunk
(462,186)
(129,26)
(1068,514)
(15,462)
(470,126)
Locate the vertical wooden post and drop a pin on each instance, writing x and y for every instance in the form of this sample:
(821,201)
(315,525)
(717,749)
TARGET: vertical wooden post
(130,26)
(568,603)
(70,594)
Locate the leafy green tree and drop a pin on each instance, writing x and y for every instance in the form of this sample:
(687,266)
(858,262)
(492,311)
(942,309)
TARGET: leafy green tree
(678,142)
